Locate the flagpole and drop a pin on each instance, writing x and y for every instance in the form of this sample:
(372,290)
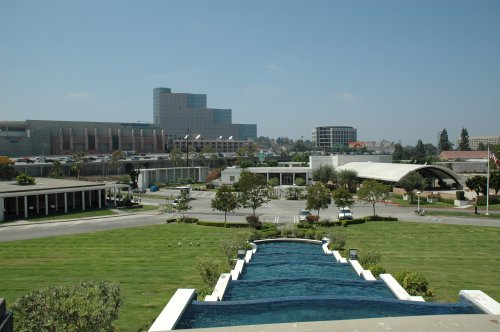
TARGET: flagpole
(488,185)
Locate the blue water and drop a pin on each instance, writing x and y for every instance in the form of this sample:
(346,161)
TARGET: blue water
(275,288)
(297,282)
(307,309)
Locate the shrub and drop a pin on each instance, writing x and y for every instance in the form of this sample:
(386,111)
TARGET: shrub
(376,270)
(369,258)
(187,220)
(127,201)
(305,224)
(86,306)
(24,179)
(222,224)
(171,220)
(300,233)
(318,235)
(253,221)
(310,233)
(210,270)
(124,179)
(286,232)
(414,283)
(378,218)
(312,218)
(300,182)
(337,240)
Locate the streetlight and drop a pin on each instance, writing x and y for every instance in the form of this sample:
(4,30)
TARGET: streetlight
(418,202)
(188,132)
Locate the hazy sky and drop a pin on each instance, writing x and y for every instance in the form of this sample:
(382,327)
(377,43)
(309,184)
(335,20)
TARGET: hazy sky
(397,70)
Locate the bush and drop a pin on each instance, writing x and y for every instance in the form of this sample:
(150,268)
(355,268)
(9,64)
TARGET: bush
(210,270)
(171,220)
(300,233)
(86,306)
(305,224)
(127,201)
(312,218)
(318,235)
(414,283)
(221,224)
(369,258)
(24,179)
(376,270)
(380,218)
(300,182)
(337,240)
(253,221)
(286,232)
(187,220)
(310,233)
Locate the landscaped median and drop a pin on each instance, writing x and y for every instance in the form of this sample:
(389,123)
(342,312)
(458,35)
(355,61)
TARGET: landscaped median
(150,263)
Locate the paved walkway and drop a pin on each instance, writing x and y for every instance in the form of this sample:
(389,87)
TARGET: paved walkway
(438,323)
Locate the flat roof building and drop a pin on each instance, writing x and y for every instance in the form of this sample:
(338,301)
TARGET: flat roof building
(328,138)
(180,113)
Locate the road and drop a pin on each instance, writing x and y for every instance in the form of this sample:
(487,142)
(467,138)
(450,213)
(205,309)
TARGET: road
(283,209)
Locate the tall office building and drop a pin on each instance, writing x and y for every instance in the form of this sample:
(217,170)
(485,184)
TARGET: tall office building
(331,137)
(178,113)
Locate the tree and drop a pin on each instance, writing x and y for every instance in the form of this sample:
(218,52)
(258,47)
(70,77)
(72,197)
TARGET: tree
(56,172)
(463,145)
(115,161)
(419,152)
(175,156)
(7,172)
(324,174)
(495,181)
(254,191)
(412,181)
(372,191)
(478,184)
(183,205)
(444,143)
(318,197)
(134,177)
(79,163)
(481,147)
(342,197)
(348,179)
(226,201)
(398,154)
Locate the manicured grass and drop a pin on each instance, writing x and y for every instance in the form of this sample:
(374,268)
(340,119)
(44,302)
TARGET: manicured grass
(452,257)
(75,215)
(150,265)
(146,261)
(423,203)
(463,214)
(145,207)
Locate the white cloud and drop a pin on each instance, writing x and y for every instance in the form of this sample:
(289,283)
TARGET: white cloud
(78,95)
(272,67)
(346,96)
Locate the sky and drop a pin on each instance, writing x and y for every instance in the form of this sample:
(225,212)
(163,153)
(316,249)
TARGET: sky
(396,70)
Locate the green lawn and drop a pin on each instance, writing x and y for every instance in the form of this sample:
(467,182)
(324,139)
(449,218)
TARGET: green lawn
(452,257)
(481,214)
(150,265)
(75,215)
(423,203)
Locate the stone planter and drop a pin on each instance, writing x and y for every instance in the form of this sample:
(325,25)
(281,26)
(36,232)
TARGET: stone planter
(461,203)
(431,200)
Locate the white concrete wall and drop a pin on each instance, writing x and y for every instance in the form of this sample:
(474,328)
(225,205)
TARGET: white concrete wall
(173,311)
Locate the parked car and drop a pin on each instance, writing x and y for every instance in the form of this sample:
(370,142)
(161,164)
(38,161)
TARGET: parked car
(139,190)
(175,202)
(154,188)
(303,215)
(345,213)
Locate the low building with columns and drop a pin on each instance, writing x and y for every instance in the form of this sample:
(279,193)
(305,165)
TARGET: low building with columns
(52,196)
(44,137)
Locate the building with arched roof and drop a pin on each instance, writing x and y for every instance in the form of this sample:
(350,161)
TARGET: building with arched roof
(393,173)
